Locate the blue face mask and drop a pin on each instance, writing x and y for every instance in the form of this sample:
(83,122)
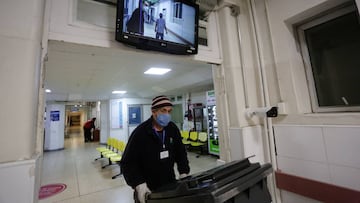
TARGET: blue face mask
(163,119)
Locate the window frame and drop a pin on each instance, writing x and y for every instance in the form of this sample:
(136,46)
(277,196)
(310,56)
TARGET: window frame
(306,57)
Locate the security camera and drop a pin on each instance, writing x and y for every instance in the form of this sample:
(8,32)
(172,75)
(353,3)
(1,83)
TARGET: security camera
(271,111)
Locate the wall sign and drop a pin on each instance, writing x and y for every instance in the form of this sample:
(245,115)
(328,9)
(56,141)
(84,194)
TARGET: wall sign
(134,115)
(54,115)
(210,98)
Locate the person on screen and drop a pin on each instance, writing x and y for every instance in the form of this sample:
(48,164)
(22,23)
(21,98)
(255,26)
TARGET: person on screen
(160,26)
(152,150)
(90,124)
(136,22)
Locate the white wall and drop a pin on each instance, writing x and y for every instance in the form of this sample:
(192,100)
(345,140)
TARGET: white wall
(237,80)
(20,82)
(20,53)
(18,176)
(321,146)
(247,142)
(290,70)
(323,153)
(262,65)
(122,133)
(65,26)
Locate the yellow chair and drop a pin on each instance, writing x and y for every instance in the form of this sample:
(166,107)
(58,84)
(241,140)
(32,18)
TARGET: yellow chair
(120,147)
(201,142)
(111,153)
(105,149)
(192,138)
(116,159)
(184,136)
(112,148)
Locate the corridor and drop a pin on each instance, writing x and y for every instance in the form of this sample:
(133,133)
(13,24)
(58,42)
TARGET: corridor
(86,181)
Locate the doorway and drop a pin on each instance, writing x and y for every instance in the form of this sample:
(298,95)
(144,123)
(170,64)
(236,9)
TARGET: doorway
(75,117)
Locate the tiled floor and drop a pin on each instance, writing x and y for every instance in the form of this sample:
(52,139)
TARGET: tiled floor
(86,181)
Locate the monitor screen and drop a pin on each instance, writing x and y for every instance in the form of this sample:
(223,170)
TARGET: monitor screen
(164,25)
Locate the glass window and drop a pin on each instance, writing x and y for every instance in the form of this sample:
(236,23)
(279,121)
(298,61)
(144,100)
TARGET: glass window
(98,13)
(177,10)
(331,51)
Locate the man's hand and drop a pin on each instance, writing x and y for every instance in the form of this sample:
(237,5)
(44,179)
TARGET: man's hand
(142,191)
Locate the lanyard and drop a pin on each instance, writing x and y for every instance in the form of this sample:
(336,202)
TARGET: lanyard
(163,137)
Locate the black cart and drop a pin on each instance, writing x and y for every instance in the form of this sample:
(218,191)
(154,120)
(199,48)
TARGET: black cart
(234,182)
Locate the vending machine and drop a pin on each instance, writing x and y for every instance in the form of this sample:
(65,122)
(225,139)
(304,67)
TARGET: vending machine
(212,123)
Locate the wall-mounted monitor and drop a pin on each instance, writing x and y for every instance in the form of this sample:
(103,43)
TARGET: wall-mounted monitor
(169,26)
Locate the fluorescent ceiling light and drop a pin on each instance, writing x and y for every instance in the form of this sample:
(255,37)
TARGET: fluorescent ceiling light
(47,90)
(118,92)
(157,71)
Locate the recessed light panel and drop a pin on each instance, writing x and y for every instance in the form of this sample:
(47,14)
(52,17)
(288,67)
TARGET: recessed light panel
(118,92)
(157,71)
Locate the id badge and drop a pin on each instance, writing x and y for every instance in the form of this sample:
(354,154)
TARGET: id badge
(164,154)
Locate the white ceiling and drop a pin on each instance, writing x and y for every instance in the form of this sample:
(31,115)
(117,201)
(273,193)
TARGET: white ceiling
(87,73)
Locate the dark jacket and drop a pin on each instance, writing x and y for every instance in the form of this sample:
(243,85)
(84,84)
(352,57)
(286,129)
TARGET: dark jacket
(141,159)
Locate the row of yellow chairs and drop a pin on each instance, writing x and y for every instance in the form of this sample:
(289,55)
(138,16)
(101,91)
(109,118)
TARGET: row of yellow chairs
(194,139)
(113,152)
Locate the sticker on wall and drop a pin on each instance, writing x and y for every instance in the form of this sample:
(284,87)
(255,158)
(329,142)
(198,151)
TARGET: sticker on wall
(54,115)
(134,114)
(116,114)
(50,190)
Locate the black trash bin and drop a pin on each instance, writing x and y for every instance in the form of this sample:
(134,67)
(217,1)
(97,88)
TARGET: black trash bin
(234,182)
